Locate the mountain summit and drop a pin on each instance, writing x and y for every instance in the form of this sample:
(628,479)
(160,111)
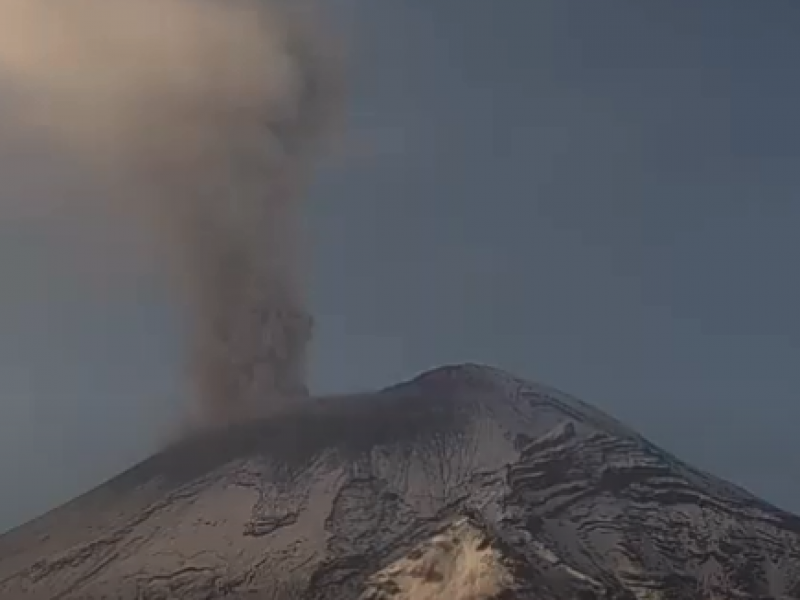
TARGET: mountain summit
(465,483)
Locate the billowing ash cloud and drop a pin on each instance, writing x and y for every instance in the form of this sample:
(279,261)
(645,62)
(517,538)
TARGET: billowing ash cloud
(206,115)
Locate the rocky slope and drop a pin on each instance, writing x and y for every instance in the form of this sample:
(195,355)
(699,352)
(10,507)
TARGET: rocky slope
(465,483)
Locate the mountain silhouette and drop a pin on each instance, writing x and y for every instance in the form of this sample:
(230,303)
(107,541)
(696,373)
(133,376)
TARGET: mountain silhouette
(465,483)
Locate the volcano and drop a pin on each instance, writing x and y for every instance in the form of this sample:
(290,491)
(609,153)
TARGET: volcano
(465,483)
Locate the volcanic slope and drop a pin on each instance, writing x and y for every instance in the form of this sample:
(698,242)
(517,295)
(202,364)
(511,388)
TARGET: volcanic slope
(465,483)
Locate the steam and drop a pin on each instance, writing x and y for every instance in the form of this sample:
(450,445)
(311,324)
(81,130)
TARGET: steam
(206,115)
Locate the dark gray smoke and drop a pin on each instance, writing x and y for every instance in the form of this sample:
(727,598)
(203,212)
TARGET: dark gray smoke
(206,115)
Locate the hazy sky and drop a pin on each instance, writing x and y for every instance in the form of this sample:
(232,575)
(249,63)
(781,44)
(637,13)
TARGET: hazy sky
(602,196)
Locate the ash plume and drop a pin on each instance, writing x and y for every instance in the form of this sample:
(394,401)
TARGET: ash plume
(205,117)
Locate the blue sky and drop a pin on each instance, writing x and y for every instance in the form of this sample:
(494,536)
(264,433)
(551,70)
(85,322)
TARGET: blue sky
(601,196)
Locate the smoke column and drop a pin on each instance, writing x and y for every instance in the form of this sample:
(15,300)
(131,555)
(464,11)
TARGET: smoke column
(207,116)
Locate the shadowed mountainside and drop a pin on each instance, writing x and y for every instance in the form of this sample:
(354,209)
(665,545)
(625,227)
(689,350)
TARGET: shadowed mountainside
(465,483)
